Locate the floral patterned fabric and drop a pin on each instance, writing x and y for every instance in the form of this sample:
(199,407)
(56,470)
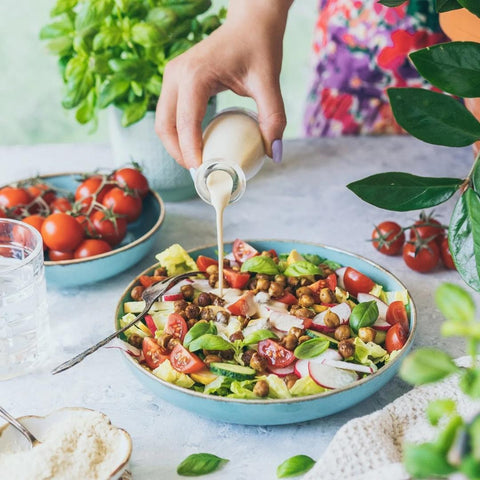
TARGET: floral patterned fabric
(360,49)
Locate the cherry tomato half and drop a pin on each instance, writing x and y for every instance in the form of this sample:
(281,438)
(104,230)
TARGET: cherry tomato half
(275,354)
(123,203)
(132,179)
(62,232)
(424,260)
(243,251)
(236,279)
(356,282)
(152,353)
(110,227)
(91,247)
(176,326)
(397,313)
(388,238)
(184,361)
(446,255)
(204,262)
(396,338)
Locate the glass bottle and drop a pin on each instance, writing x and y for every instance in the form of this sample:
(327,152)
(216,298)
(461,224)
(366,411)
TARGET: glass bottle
(233,143)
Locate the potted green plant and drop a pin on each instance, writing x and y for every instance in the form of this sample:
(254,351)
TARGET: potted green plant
(112,53)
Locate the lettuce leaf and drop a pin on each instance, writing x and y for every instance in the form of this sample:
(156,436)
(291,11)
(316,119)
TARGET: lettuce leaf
(277,387)
(368,353)
(220,386)
(176,260)
(306,386)
(166,372)
(242,389)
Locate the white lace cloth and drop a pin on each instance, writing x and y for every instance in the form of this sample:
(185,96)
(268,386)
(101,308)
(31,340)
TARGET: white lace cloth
(370,447)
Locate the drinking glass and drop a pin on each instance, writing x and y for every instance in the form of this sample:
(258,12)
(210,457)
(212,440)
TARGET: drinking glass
(24,325)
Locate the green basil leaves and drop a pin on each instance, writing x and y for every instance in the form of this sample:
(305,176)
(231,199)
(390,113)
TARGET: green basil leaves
(199,329)
(200,464)
(258,336)
(260,264)
(209,341)
(295,466)
(311,348)
(299,269)
(363,315)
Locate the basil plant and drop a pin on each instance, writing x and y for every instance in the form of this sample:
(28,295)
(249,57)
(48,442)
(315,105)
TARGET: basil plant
(440,119)
(114,52)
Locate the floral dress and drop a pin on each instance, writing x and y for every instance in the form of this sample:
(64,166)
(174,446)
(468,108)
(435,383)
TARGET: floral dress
(360,49)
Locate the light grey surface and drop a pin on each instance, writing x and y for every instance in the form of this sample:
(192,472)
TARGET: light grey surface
(305,199)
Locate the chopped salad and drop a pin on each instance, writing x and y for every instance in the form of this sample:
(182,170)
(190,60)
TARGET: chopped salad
(286,325)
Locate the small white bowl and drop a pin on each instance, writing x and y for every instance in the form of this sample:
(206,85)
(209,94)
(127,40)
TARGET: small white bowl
(12,440)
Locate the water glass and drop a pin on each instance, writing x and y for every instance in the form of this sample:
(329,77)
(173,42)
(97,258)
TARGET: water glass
(24,325)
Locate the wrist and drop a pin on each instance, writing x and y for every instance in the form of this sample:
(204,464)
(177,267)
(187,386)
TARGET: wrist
(259,13)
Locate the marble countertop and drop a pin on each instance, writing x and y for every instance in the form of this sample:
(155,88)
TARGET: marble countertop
(304,198)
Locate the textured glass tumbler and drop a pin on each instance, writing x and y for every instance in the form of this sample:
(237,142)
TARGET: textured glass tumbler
(24,325)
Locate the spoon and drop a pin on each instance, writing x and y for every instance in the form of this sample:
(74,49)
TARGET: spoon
(17,425)
(149,296)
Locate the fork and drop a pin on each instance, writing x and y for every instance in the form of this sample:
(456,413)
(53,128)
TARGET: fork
(149,296)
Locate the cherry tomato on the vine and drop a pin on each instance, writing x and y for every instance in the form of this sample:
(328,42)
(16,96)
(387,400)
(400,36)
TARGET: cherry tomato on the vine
(427,228)
(36,221)
(132,179)
(90,188)
(56,256)
(60,204)
(11,197)
(62,232)
(91,247)
(446,255)
(110,227)
(42,190)
(425,259)
(123,203)
(388,238)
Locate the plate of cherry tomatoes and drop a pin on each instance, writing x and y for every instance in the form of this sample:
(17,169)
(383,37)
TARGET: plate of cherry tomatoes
(93,225)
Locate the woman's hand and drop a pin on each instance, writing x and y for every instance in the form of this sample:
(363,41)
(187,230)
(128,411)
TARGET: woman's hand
(243,55)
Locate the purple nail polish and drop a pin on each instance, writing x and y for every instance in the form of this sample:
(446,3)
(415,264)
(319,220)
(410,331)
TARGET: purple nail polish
(277,150)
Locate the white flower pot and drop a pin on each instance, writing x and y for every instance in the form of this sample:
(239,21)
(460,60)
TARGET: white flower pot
(139,143)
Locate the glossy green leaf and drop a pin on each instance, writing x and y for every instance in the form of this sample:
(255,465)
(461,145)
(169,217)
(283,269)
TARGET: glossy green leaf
(311,348)
(476,175)
(60,46)
(363,315)
(199,329)
(425,461)
(464,237)
(446,5)
(79,81)
(210,23)
(187,8)
(200,464)
(453,67)
(91,14)
(437,409)
(134,112)
(401,192)
(299,269)
(455,303)
(448,434)
(109,36)
(295,466)
(163,17)
(260,264)
(470,382)
(471,5)
(154,85)
(474,429)
(209,341)
(427,365)
(60,28)
(86,111)
(258,336)
(434,117)
(136,69)
(148,35)
(62,6)
(111,90)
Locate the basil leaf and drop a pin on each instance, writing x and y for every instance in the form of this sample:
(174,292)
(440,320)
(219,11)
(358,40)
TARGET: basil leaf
(476,175)
(109,36)
(331,264)
(56,29)
(294,466)
(199,329)
(299,269)
(471,5)
(311,348)
(187,9)
(464,237)
(312,258)
(209,341)
(257,336)
(455,303)
(148,35)
(427,365)
(434,117)
(446,5)
(134,112)
(86,111)
(437,409)
(163,17)
(391,3)
(470,383)
(62,6)
(425,461)
(402,192)
(363,315)
(260,264)
(112,89)
(200,464)
(454,67)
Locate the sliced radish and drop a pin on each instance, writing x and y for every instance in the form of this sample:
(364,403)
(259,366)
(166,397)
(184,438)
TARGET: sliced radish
(172,297)
(328,354)
(262,297)
(278,306)
(382,306)
(284,321)
(124,346)
(342,310)
(331,377)
(350,366)
(150,324)
(381,324)
(340,274)
(322,328)
(283,372)
(301,368)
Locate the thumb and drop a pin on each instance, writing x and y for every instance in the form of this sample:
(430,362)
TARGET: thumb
(271,117)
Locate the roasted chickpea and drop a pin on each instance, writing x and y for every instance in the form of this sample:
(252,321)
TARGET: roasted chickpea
(267,254)
(327,296)
(160,272)
(293,281)
(136,293)
(261,388)
(222,317)
(294,308)
(367,334)
(243,321)
(263,284)
(180,306)
(331,319)
(191,322)
(304,281)
(238,335)
(211,269)
(303,338)
(281,279)
(192,312)
(210,358)
(213,280)
(216,300)
(306,300)
(290,341)
(247,356)
(346,348)
(258,363)
(342,332)
(290,380)
(303,312)
(135,340)
(187,291)
(326,269)
(204,299)
(163,341)
(304,291)
(173,341)
(276,290)
(207,314)
(227,354)
(262,275)
(252,284)
(298,332)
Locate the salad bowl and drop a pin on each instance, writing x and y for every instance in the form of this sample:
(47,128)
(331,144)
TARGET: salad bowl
(279,411)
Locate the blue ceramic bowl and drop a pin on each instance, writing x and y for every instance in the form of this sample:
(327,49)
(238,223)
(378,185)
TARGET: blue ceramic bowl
(137,243)
(294,410)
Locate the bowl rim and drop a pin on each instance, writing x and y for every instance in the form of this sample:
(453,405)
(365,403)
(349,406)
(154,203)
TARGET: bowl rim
(306,398)
(119,468)
(145,236)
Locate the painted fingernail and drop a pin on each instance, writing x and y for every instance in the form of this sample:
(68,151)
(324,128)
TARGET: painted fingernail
(277,150)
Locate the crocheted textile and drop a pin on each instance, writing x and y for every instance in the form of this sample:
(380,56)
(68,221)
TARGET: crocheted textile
(370,447)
